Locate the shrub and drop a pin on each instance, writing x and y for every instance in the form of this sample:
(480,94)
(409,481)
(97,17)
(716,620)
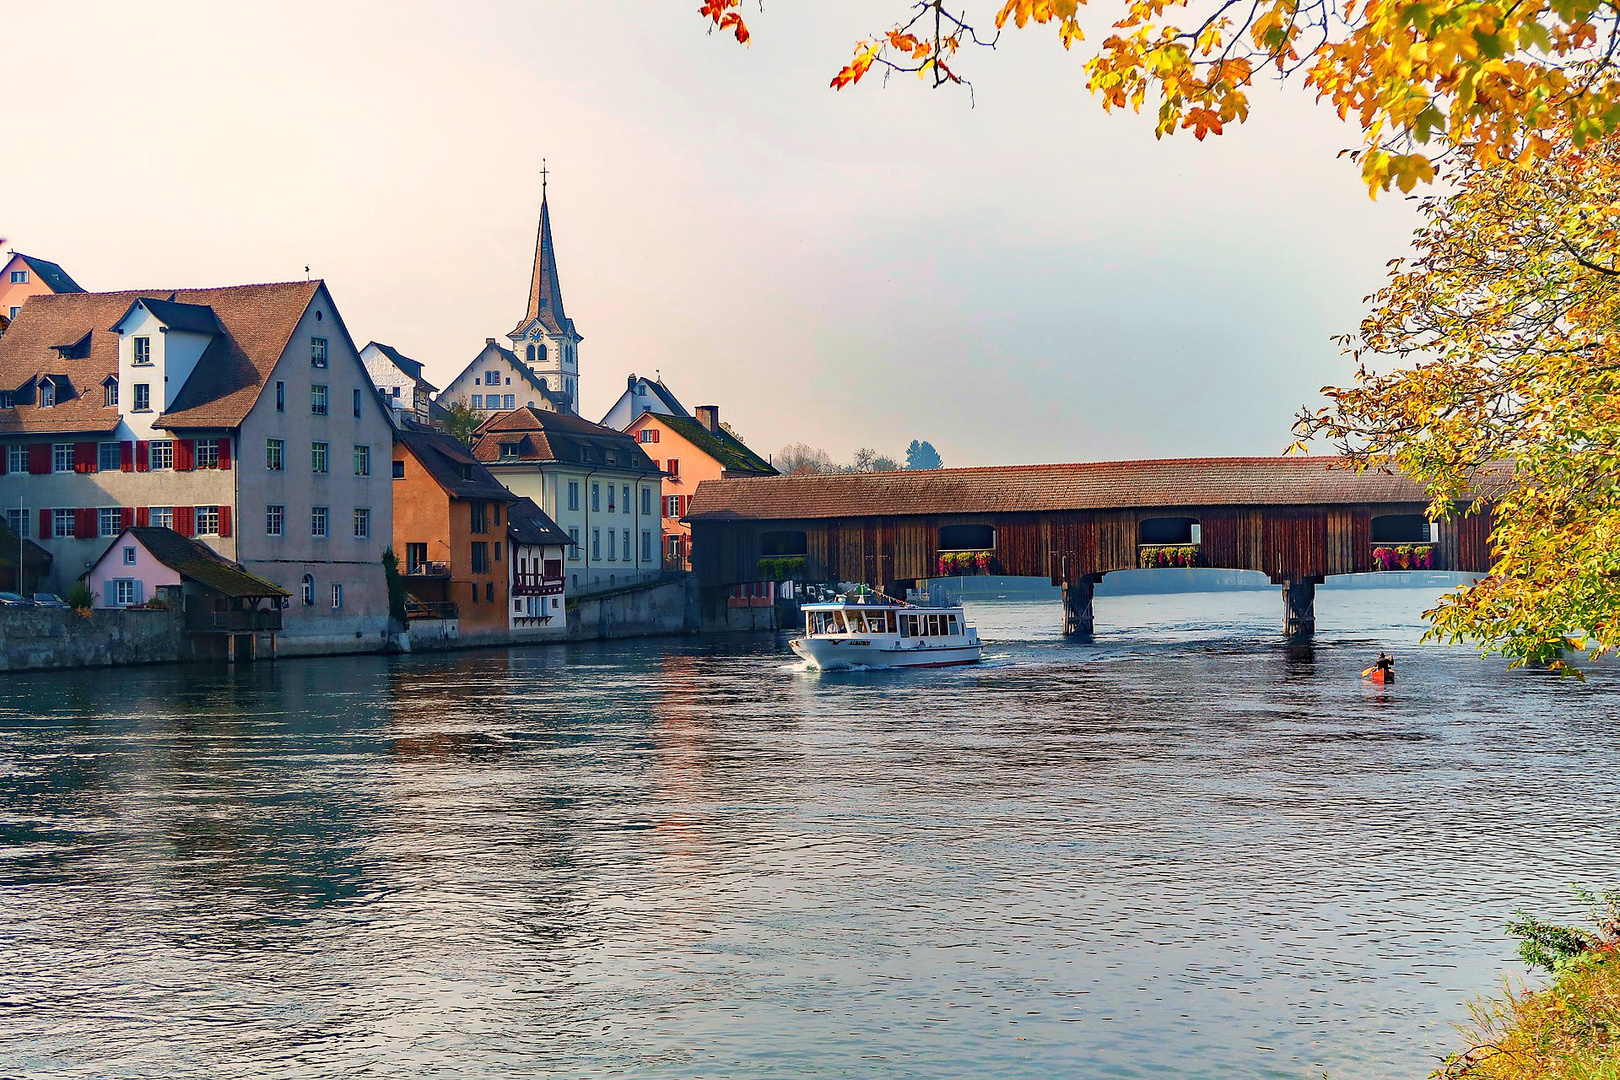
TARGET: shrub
(80,598)
(396,587)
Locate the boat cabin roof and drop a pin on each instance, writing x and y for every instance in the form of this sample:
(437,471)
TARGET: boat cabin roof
(840,605)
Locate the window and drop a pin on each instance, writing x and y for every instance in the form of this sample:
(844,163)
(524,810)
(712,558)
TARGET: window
(362,522)
(596,543)
(207,521)
(47,393)
(161,517)
(573,544)
(673,467)
(143,397)
(596,497)
(508,401)
(17,459)
(337,596)
(160,453)
(478,401)
(673,544)
(108,520)
(129,556)
(109,393)
(62,457)
(624,494)
(672,506)
(415,557)
(479,522)
(573,493)
(399,470)
(281,396)
(356,393)
(207,454)
(275,519)
(142,351)
(649,435)
(109,456)
(362,461)
(317,400)
(480,557)
(646,546)
(492,378)
(19,277)
(629,555)
(317,352)
(489,591)
(612,505)
(12,314)
(317,457)
(317,521)
(8,399)
(646,501)
(126,591)
(275,454)
(62,523)
(18,520)
(309,589)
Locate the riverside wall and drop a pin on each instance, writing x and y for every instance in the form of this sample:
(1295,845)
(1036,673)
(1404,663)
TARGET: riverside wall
(652,609)
(43,639)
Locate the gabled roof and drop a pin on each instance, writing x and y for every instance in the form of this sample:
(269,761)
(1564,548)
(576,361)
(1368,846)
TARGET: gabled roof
(451,466)
(1182,482)
(656,388)
(541,436)
(545,290)
(35,554)
(528,524)
(256,321)
(730,452)
(54,277)
(187,318)
(193,560)
(492,350)
(411,368)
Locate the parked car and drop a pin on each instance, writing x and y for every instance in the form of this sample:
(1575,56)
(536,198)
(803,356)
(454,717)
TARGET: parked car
(45,599)
(11,599)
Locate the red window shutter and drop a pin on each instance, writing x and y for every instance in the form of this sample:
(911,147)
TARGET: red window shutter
(143,514)
(39,458)
(225,452)
(673,467)
(185,455)
(84,457)
(84,523)
(126,456)
(224,521)
(44,524)
(185,520)
(126,517)
(142,456)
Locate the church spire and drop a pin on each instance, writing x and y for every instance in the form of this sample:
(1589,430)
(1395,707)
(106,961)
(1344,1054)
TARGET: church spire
(545,290)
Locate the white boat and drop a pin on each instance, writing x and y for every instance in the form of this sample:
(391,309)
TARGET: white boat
(872,631)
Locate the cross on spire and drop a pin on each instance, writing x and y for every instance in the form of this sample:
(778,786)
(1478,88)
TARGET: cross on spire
(544,172)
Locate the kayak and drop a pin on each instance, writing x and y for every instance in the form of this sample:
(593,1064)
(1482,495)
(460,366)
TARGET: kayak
(1379,675)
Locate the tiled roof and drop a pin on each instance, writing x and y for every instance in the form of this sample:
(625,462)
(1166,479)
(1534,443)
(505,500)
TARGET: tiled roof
(258,321)
(51,274)
(451,466)
(187,318)
(724,447)
(528,524)
(541,436)
(1268,481)
(190,559)
(545,289)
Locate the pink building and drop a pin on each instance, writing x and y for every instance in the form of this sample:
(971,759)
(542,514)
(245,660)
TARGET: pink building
(24,276)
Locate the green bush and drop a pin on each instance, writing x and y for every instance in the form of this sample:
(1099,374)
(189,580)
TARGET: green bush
(80,598)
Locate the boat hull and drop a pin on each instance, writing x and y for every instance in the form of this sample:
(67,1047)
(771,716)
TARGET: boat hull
(830,654)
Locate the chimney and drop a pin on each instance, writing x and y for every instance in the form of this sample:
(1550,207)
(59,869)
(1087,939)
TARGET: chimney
(709,417)
(631,382)
(489,341)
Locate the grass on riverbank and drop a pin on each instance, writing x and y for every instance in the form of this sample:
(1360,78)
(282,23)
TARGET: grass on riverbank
(1569,1030)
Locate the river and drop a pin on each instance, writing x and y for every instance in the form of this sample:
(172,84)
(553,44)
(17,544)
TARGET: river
(1184,849)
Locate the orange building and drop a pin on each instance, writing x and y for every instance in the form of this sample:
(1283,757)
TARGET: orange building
(451,524)
(691,450)
(22,276)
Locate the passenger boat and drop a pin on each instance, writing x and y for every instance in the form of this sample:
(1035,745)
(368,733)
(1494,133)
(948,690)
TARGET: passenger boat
(876,631)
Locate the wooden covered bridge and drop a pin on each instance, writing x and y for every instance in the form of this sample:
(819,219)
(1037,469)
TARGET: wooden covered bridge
(1295,519)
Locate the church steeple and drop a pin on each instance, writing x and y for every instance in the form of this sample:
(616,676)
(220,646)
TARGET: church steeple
(546,340)
(545,289)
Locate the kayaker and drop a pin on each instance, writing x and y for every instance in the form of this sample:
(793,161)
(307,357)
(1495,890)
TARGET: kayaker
(1384,663)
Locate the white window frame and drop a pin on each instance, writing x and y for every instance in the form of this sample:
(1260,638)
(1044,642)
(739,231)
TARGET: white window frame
(61,453)
(206,520)
(142,401)
(109,521)
(161,517)
(320,457)
(320,399)
(275,455)
(275,519)
(160,448)
(318,354)
(109,456)
(140,351)
(362,459)
(320,522)
(362,523)
(337,596)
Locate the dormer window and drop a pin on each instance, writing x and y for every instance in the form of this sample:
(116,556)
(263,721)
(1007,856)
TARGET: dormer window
(110,393)
(47,393)
(509,449)
(142,351)
(585,453)
(466,474)
(8,399)
(317,352)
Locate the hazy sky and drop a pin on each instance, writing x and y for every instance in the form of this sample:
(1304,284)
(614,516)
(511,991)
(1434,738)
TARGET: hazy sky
(1018,279)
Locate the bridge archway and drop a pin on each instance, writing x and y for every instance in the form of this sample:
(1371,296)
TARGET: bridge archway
(779,542)
(1400,529)
(967,537)
(1167,530)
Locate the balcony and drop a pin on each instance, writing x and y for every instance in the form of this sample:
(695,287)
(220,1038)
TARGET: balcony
(233,622)
(428,570)
(419,609)
(534,585)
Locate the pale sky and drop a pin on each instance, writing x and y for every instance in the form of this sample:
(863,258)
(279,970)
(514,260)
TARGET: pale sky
(1018,278)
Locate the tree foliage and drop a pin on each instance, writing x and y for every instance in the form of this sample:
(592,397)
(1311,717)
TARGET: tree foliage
(1502,330)
(1419,76)
(461,422)
(922,455)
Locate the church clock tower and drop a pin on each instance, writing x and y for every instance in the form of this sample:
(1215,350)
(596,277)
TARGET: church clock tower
(546,341)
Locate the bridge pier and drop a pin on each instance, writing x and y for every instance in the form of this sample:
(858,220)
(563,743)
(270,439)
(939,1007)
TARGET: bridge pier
(1078,619)
(1299,606)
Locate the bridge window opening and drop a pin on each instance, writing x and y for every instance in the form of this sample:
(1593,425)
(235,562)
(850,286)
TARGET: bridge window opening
(784,542)
(1400,529)
(1169,531)
(967,537)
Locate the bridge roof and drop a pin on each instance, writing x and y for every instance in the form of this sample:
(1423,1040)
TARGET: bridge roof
(1108,485)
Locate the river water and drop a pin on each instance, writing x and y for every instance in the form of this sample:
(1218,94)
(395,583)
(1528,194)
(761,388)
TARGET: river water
(1183,849)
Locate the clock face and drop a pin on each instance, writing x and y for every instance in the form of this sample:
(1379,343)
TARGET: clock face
(536,334)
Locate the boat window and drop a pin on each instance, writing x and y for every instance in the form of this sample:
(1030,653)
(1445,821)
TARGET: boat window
(954,629)
(888,622)
(838,623)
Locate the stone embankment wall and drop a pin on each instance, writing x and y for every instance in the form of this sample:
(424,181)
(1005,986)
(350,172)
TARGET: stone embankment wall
(666,606)
(39,639)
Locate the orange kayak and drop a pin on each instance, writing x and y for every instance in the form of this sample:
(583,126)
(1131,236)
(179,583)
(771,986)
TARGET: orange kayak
(1379,675)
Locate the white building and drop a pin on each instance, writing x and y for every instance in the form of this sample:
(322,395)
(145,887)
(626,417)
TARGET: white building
(597,484)
(399,380)
(539,551)
(642,396)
